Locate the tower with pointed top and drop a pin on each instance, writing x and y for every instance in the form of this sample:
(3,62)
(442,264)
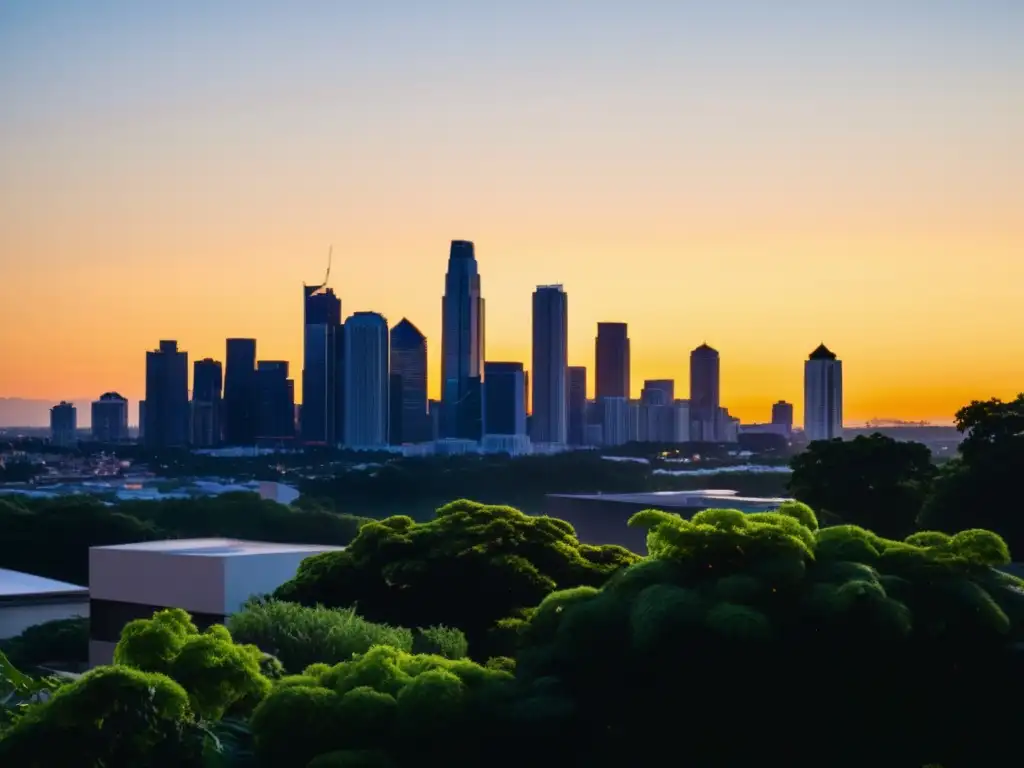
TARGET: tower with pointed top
(823,395)
(462,345)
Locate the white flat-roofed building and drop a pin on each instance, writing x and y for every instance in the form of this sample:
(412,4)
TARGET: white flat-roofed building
(209,578)
(27,600)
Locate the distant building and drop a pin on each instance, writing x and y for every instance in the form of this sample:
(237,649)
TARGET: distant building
(577,408)
(615,426)
(239,406)
(321,379)
(275,401)
(782,416)
(462,345)
(823,395)
(666,386)
(366,381)
(207,383)
(110,418)
(167,409)
(550,421)
(409,421)
(142,421)
(705,403)
(611,353)
(504,399)
(434,412)
(64,425)
(28,601)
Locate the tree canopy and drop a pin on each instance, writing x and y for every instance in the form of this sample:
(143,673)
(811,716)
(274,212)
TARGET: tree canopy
(470,567)
(871,481)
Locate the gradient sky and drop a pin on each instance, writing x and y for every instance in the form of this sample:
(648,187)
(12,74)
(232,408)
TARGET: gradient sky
(760,175)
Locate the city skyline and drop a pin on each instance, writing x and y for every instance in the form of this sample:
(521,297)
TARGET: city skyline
(766,180)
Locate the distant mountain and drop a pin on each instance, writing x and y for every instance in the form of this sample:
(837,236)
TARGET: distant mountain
(26,412)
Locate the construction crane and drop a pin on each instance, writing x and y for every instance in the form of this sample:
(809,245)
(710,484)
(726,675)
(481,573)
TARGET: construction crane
(330,253)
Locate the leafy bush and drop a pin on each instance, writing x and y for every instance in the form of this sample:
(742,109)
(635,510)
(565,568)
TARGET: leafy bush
(441,641)
(299,635)
(383,705)
(751,606)
(470,567)
(64,641)
(218,673)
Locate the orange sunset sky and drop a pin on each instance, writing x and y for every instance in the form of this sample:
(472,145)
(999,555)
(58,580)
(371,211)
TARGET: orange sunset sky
(759,178)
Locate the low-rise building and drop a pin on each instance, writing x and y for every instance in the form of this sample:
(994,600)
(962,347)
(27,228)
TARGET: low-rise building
(27,600)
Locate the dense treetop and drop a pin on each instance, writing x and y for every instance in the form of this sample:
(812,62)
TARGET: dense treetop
(471,566)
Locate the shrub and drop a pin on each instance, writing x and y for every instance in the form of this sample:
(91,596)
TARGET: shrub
(63,641)
(299,635)
(442,641)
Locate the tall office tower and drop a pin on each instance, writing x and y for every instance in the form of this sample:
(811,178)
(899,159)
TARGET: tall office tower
(462,345)
(668,386)
(275,401)
(167,411)
(704,395)
(408,419)
(823,395)
(782,416)
(504,399)
(366,381)
(615,412)
(550,422)
(612,361)
(577,417)
(64,425)
(239,405)
(320,400)
(110,418)
(207,382)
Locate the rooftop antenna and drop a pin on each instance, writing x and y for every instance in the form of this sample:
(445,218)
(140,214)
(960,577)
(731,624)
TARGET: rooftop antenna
(330,253)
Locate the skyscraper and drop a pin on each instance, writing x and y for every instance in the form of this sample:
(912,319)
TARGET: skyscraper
(666,386)
(320,385)
(408,419)
(167,411)
(504,396)
(462,344)
(110,418)
(207,379)
(549,422)
(577,431)
(823,395)
(366,381)
(704,395)
(240,392)
(275,401)
(612,361)
(64,425)
(782,416)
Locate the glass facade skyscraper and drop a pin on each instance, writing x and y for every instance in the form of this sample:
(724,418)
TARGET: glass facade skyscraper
(320,357)
(462,345)
(549,421)
(408,419)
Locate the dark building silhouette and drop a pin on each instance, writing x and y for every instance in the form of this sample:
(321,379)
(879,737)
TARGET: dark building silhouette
(462,344)
(612,361)
(782,415)
(666,386)
(110,418)
(64,425)
(320,379)
(577,407)
(275,401)
(409,420)
(167,409)
(366,381)
(705,405)
(239,406)
(549,418)
(207,383)
(823,395)
(504,394)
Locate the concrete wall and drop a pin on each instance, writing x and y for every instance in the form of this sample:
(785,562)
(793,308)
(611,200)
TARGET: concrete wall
(157,578)
(17,617)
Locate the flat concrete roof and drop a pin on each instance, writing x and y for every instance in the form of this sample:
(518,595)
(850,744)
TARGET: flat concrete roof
(657,499)
(22,585)
(218,547)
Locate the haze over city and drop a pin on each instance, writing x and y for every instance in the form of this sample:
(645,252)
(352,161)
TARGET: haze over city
(760,179)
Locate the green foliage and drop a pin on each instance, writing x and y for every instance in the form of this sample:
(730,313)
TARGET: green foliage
(875,482)
(470,567)
(218,673)
(440,641)
(111,716)
(299,635)
(763,603)
(384,705)
(63,641)
(353,758)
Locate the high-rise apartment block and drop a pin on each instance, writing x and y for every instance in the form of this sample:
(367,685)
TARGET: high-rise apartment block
(409,421)
(705,404)
(207,385)
(240,406)
(366,367)
(823,395)
(110,418)
(275,402)
(167,409)
(550,423)
(322,395)
(577,407)
(611,353)
(782,416)
(64,425)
